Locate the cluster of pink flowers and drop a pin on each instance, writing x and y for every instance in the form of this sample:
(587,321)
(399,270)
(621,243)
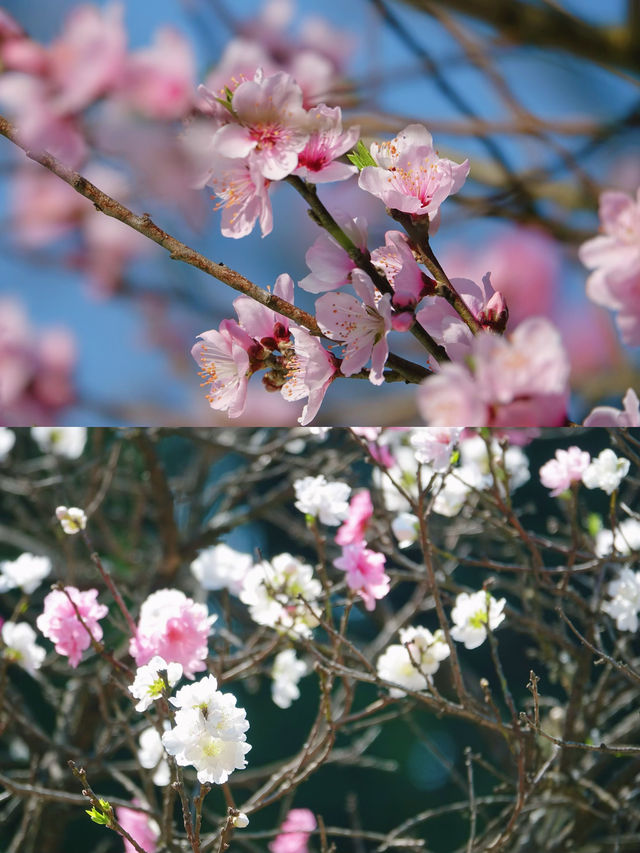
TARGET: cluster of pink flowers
(364,567)
(173,627)
(36,368)
(59,621)
(566,468)
(294,832)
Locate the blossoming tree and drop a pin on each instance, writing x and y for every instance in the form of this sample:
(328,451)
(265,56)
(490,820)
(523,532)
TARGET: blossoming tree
(310,638)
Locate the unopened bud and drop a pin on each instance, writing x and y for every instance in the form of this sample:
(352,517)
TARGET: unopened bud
(495,314)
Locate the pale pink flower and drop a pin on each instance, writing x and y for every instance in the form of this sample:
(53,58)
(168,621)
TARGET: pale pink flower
(444,323)
(609,416)
(158,80)
(410,176)
(260,322)
(294,832)
(142,828)
(317,162)
(566,468)
(330,265)
(240,60)
(60,624)
(396,261)
(269,123)
(361,325)
(223,356)
(173,627)
(614,257)
(87,60)
(17,51)
(519,380)
(311,369)
(360,512)
(243,196)
(365,572)
(43,208)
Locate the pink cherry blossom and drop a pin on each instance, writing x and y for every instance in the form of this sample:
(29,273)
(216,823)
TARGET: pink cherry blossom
(17,51)
(395,259)
(243,196)
(143,829)
(59,621)
(294,832)
(614,257)
(609,416)
(158,80)
(360,324)
(223,356)
(269,123)
(260,322)
(360,512)
(445,324)
(520,380)
(88,58)
(317,162)
(173,627)
(43,207)
(409,175)
(330,265)
(565,468)
(311,369)
(365,572)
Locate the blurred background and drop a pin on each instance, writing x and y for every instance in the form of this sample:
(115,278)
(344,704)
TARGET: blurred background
(541,96)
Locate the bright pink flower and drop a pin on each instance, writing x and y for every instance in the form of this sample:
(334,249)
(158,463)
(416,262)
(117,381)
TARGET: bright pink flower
(445,324)
(269,124)
(361,325)
(294,832)
(614,258)
(60,624)
(223,356)
(365,572)
(395,259)
(520,380)
(410,176)
(609,416)
(360,512)
(330,265)
(317,162)
(143,829)
(566,468)
(175,628)
(311,370)
(88,58)
(158,81)
(261,322)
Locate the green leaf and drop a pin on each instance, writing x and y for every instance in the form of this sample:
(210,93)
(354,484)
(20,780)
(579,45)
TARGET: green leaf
(103,818)
(361,157)
(594,524)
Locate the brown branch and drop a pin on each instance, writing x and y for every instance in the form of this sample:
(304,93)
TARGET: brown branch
(178,250)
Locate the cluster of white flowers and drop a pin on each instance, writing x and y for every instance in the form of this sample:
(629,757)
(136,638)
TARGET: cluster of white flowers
(209,731)
(72,519)
(625,600)
(27,572)
(606,471)
(20,647)
(221,567)
(328,501)
(472,613)
(286,672)
(7,440)
(276,591)
(148,685)
(414,662)
(63,441)
(625,539)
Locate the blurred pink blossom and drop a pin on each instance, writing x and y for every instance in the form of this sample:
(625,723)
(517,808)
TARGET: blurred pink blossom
(17,51)
(294,832)
(603,416)
(519,380)
(365,572)
(59,621)
(360,512)
(143,829)
(565,468)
